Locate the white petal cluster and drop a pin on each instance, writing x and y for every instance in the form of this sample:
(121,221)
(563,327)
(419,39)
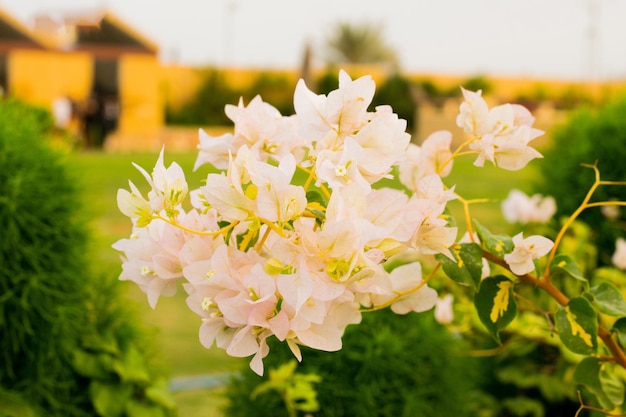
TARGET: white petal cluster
(525,251)
(501,134)
(291,237)
(619,256)
(520,208)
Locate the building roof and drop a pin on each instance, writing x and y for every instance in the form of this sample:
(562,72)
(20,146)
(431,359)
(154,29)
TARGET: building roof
(13,34)
(106,33)
(101,33)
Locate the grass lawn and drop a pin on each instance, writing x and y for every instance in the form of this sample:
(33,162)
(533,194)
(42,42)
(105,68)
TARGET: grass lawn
(177,327)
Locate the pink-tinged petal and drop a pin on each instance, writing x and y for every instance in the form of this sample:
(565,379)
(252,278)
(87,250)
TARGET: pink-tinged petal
(325,336)
(256,364)
(313,311)
(279,325)
(166,267)
(209,329)
(260,312)
(295,349)
(295,289)
(158,287)
(235,309)
(244,343)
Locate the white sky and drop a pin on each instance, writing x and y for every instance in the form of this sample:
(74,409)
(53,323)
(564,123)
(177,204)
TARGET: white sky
(527,38)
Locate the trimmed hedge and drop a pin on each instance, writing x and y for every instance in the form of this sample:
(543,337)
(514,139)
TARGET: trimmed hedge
(68,347)
(589,136)
(390,365)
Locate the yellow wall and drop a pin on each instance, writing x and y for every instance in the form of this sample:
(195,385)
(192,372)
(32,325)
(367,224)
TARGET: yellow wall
(179,84)
(41,76)
(140,94)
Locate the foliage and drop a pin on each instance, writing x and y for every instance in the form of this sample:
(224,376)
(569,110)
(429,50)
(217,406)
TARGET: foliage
(572,98)
(298,258)
(67,341)
(295,389)
(478,82)
(390,365)
(364,43)
(275,89)
(327,81)
(589,136)
(398,92)
(207,105)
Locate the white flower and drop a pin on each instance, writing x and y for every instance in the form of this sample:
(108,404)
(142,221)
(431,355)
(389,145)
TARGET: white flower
(519,208)
(443,309)
(501,134)
(427,159)
(525,251)
(403,279)
(619,257)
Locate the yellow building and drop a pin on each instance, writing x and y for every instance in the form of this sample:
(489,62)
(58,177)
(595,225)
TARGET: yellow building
(109,73)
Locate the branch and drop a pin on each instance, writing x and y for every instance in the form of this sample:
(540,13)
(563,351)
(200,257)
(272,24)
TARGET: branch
(545,284)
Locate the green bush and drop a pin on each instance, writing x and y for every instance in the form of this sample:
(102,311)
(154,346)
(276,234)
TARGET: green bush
(68,347)
(390,365)
(589,136)
(397,91)
(275,89)
(207,105)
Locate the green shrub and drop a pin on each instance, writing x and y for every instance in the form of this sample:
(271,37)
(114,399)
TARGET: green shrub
(326,82)
(478,82)
(275,89)
(589,136)
(68,347)
(397,91)
(206,107)
(390,365)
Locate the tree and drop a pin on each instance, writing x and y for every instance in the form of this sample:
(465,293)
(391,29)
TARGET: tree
(359,44)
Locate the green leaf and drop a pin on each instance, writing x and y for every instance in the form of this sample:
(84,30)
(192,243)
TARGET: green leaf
(620,328)
(495,304)
(131,366)
(563,263)
(595,375)
(105,342)
(498,245)
(91,364)
(160,394)
(609,299)
(314,196)
(139,409)
(611,383)
(109,400)
(524,407)
(14,404)
(467,266)
(577,324)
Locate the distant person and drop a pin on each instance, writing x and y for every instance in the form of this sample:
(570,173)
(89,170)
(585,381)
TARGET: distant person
(62,111)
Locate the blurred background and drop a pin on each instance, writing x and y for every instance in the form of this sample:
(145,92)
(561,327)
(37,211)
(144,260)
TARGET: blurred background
(112,81)
(125,74)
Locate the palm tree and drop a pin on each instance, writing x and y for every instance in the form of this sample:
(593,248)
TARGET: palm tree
(359,44)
